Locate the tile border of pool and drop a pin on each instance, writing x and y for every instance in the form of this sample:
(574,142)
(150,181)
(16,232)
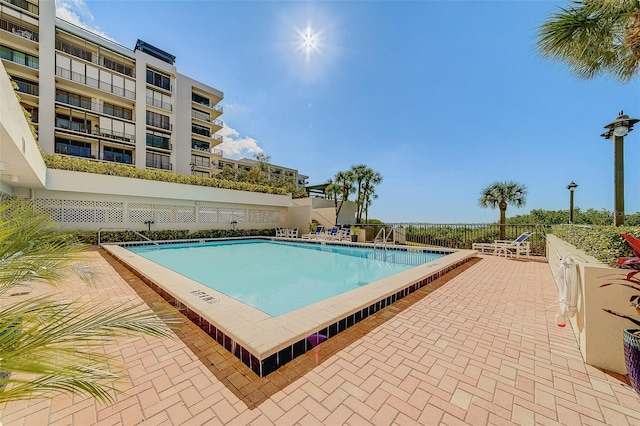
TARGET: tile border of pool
(262,342)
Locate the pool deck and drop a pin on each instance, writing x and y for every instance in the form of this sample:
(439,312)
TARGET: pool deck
(477,346)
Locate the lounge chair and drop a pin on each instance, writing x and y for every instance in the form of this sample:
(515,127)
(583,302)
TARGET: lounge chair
(517,247)
(331,234)
(315,234)
(345,234)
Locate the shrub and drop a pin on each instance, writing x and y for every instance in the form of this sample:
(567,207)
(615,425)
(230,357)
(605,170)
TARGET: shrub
(602,242)
(60,162)
(169,235)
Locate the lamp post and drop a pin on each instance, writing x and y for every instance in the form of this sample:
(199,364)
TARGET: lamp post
(617,130)
(571,187)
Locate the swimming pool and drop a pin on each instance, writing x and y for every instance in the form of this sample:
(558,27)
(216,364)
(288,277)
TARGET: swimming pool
(278,277)
(265,342)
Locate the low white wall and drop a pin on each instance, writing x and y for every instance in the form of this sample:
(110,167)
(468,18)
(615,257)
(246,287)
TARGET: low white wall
(86,201)
(599,333)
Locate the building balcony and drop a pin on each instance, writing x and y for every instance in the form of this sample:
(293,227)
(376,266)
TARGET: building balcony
(93,106)
(19,57)
(159,165)
(159,104)
(207,150)
(90,56)
(25,5)
(28,88)
(70,125)
(92,82)
(18,30)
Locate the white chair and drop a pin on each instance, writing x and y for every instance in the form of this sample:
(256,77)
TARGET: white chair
(314,235)
(517,247)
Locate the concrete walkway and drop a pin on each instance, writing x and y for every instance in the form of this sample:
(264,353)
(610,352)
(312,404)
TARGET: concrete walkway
(480,349)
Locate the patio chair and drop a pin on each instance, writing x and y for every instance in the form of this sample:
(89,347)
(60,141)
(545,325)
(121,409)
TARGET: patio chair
(293,233)
(517,247)
(331,234)
(314,234)
(345,234)
(280,232)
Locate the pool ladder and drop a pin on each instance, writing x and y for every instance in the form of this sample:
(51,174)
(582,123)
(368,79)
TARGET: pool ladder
(127,229)
(382,241)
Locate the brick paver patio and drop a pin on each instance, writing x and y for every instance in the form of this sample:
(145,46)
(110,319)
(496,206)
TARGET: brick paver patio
(482,348)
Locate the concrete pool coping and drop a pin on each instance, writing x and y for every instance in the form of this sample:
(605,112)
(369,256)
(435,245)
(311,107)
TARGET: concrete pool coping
(263,335)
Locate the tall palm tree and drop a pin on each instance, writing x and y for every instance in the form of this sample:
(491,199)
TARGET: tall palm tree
(501,194)
(339,188)
(47,345)
(595,37)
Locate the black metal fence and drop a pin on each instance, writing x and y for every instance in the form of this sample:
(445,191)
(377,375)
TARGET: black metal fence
(459,236)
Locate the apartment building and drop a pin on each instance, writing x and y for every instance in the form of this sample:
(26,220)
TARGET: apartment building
(90,97)
(273,171)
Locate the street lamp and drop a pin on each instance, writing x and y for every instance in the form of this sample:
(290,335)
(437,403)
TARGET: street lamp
(571,187)
(617,130)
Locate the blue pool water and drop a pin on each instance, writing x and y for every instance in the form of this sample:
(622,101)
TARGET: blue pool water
(279,277)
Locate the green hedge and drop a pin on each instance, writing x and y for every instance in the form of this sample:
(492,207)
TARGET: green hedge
(60,162)
(602,242)
(181,234)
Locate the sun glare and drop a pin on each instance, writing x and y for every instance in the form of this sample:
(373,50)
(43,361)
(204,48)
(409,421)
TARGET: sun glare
(309,42)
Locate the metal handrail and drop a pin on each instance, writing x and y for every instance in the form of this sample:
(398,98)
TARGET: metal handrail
(126,229)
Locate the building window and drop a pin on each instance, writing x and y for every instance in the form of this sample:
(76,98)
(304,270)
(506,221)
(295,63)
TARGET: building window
(196,160)
(158,140)
(117,111)
(158,161)
(200,99)
(118,155)
(159,80)
(18,57)
(73,99)
(74,50)
(200,145)
(73,123)
(200,173)
(158,120)
(26,86)
(79,149)
(201,130)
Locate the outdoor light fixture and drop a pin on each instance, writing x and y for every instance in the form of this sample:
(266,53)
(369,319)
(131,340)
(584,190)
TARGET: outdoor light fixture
(617,130)
(571,187)
(14,179)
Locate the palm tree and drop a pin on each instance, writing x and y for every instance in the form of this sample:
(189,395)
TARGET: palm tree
(365,179)
(47,345)
(340,188)
(501,194)
(595,37)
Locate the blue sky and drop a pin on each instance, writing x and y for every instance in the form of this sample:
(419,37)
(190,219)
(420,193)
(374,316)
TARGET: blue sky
(443,98)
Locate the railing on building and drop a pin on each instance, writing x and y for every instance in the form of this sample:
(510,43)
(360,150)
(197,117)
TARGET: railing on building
(159,144)
(19,30)
(28,88)
(461,236)
(159,104)
(200,115)
(92,82)
(89,56)
(19,57)
(63,123)
(25,5)
(94,106)
(159,165)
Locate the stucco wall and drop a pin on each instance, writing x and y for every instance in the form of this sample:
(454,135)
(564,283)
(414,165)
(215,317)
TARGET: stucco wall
(599,333)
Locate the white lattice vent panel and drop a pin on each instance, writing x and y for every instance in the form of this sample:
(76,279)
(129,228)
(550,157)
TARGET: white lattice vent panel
(229,215)
(109,212)
(165,214)
(140,212)
(185,214)
(208,215)
(81,211)
(51,207)
(264,216)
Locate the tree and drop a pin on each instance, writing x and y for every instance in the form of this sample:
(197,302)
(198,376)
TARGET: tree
(365,181)
(501,194)
(594,37)
(48,345)
(339,188)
